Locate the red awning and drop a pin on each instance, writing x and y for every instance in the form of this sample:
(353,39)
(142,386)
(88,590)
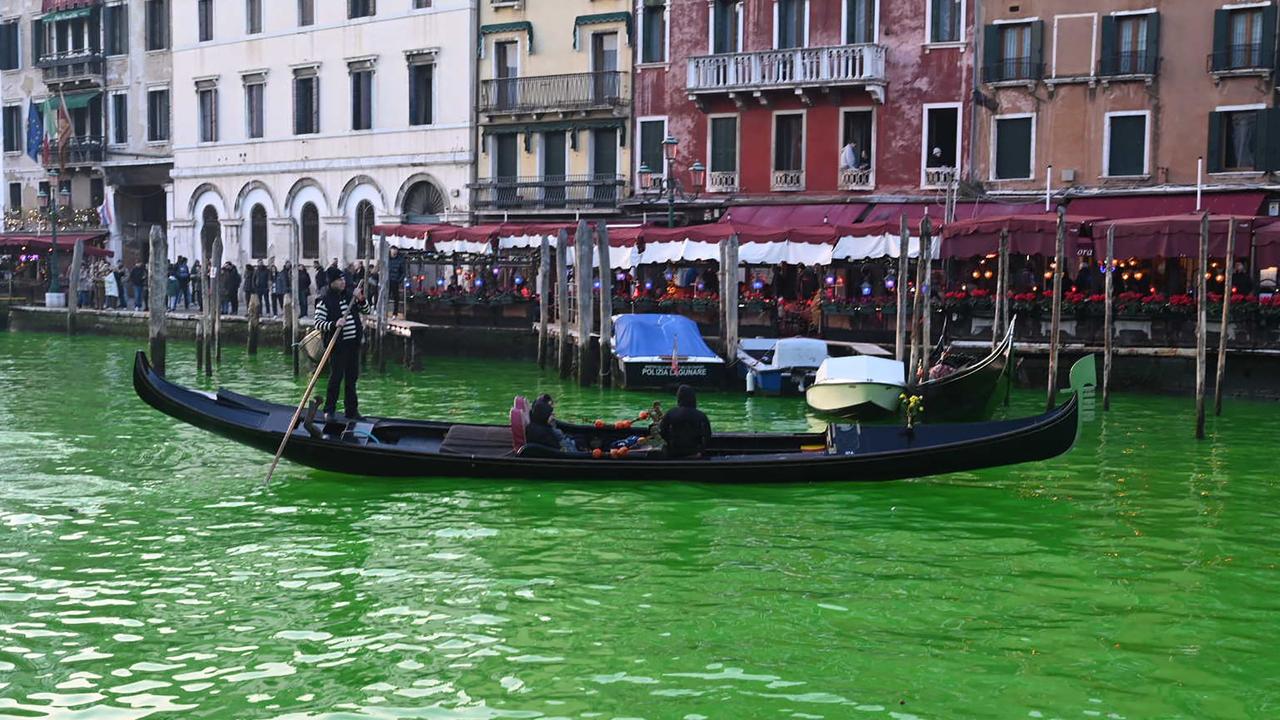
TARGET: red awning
(779,216)
(1172,236)
(1028,235)
(40,243)
(56,5)
(1266,243)
(1139,206)
(891,212)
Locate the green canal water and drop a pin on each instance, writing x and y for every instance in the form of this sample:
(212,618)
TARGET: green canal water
(145,573)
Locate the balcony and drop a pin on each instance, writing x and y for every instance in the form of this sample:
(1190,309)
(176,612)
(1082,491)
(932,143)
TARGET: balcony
(857,179)
(81,150)
(1013,71)
(795,69)
(1239,60)
(564,192)
(1134,65)
(939,177)
(575,92)
(787,181)
(722,181)
(72,67)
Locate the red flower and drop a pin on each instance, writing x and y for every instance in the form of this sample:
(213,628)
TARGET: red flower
(1097,298)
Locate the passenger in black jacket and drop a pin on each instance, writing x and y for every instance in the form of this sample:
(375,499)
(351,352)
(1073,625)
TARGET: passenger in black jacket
(686,429)
(539,430)
(338,311)
(262,285)
(395,278)
(304,289)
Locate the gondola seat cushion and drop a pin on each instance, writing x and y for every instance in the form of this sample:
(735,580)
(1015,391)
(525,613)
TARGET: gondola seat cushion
(492,440)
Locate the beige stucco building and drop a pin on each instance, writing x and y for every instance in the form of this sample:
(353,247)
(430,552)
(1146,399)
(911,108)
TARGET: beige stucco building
(554,107)
(318,118)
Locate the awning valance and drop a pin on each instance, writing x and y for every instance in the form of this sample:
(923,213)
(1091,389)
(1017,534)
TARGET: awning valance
(1134,206)
(1028,235)
(35,243)
(67,15)
(75,101)
(601,19)
(795,215)
(523,26)
(1171,236)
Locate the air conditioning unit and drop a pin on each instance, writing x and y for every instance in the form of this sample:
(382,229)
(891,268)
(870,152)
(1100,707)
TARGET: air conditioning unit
(1068,175)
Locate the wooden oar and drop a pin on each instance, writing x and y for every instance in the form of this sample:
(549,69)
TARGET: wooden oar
(324,360)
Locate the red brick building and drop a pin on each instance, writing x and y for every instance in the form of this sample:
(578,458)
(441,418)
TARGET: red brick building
(806,101)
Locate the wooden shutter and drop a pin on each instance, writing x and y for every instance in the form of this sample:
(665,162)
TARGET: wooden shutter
(992,51)
(1110,47)
(1269,36)
(1036,70)
(37,41)
(1153,43)
(1214,157)
(1221,39)
(935,7)
(1269,138)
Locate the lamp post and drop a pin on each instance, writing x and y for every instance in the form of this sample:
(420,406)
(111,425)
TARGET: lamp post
(51,198)
(668,184)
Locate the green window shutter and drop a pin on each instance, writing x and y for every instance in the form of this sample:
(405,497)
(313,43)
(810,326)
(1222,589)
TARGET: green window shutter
(1269,134)
(1152,59)
(1013,149)
(1214,156)
(1269,36)
(1110,47)
(37,41)
(724,141)
(1221,39)
(936,8)
(991,54)
(1036,70)
(1263,139)
(652,133)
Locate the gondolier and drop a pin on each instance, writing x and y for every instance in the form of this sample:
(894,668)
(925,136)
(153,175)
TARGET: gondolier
(338,311)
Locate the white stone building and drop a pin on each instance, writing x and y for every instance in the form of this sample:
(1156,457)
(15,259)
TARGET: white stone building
(320,118)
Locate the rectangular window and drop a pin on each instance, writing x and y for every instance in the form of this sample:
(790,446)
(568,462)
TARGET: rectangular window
(722,173)
(306,12)
(652,133)
(725,21)
(15,196)
(860,22)
(158,115)
(95,191)
(788,142)
(420,4)
(946,19)
(361,99)
(115,29)
(791,25)
(157,24)
(653,30)
(1131,50)
(204,19)
(1235,141)
(1126,145)
(941,144)
(506,67)
(1013,148)
(421,93)
(120,118)
(208,108)
(1245,47)
(13,128)
(9,58)
(360,8)
(858,140)
(306,102)
(1012,51)
(254,109)
(253,16)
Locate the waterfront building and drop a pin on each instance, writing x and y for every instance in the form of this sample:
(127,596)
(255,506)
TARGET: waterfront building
(806,101)
(109,63)
(318,118)
(554,108)
(1125,96)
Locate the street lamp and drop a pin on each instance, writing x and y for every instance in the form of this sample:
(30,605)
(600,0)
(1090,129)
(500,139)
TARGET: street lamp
(51,198)
(668,183)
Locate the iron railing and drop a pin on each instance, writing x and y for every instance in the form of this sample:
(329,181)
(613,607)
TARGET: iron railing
(1130,63)
(798,67)
(81,150)
(574,91)
(547,192)
(1012,70)
(71,65)
(1245,56)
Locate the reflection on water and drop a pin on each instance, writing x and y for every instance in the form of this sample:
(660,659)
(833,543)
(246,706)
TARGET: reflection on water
(144,572)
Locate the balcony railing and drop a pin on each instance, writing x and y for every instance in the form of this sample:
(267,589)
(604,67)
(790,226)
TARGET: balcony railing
(1013,70)
(81,150)
(787,181)
(939,177)
(725,181)
(548,192)
(857,179)
(1130,63)
(1245,57)
(575,91)
(71,66)
(794,68)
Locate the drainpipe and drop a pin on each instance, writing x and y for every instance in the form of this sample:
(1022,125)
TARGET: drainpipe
(977,87)
(473,172)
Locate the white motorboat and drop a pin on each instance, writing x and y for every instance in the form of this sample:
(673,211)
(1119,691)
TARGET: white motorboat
(860,387)
(783,366)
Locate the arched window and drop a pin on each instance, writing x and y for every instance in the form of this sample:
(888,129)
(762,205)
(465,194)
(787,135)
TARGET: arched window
(210,228)
(310,231)
(423,203)
(258,231)
(364,229)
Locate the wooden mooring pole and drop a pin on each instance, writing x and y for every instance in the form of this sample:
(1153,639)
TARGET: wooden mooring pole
(157,279)
(1109,322)
(900,289)
(213,299)
(1202,321)
(73,286)
(255,322)
(1226,317)
(606,303)
(291,294)
(917,305)
(1055,325)
(926,315)
(730,290)
(544,300)
(582,268)
(384,275)
(1001,320)
(564,360)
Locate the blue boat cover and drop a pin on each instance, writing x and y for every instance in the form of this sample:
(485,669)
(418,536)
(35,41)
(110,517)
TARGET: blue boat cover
(653,335)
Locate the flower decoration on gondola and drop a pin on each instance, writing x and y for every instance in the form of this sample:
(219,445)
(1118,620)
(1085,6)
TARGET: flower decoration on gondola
(912,408)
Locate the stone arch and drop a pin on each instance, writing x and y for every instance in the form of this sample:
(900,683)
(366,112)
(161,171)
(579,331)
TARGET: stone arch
(302,184)
(352,185)
(250,187)
(206,194)
(414,180)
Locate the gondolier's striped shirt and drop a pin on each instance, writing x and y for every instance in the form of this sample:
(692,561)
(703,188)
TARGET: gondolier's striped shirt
(326,320)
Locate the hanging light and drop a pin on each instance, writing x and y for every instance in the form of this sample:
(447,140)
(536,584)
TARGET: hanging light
(479,282)
(757,285)
(831,279)
(988,274)
(518,280)
(596,284)
(669,149)
(698,173)
(646,175)
(648,284)
(620,277)
(890,282)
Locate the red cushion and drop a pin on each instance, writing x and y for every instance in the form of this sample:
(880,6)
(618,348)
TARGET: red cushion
(517,429)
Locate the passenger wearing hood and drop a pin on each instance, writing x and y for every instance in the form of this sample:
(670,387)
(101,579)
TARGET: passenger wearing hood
(685,429)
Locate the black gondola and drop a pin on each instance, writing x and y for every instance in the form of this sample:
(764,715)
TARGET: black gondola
(409,448)
(973,391)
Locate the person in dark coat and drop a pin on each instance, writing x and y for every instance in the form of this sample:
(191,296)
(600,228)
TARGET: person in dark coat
(230,289)
(318,276)
(248,282)
(337,311)
(539,430)
(279,286)
(262,286)
(304,289)
(183,274)
(138,281)
(395,278)
(686,429)
(197,285)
